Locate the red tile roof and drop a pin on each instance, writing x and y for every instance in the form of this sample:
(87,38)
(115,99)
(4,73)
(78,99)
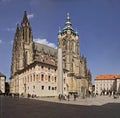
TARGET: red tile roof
(107,76)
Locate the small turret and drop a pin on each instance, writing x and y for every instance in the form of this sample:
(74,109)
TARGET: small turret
(59,30)
(17,29)
(76,32)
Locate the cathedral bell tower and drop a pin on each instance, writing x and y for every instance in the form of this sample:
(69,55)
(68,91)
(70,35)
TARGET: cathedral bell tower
(27,38)
(68,41)
(22,52)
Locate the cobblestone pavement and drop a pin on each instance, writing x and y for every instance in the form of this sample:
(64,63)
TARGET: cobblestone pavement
(98,100)
(15,107)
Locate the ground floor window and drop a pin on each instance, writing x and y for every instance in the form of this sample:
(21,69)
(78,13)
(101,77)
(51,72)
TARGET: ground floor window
(42,87)
(49,87)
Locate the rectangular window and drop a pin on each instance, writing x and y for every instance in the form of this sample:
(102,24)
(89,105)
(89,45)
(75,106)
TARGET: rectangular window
(49,87)
(42,77)
(64,80)
(42,87)
(33,77)
(42,67)
(55,88)
(28,78)
(49,78)
(37,77)
(33,87)
(52,88)
(55,79)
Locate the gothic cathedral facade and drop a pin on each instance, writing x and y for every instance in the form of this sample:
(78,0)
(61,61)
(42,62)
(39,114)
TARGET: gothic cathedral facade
(34,65)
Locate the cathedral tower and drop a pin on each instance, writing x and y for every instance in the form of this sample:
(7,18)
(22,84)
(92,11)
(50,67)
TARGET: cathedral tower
(26,40)
(22,52)
(72,60)
(68,38)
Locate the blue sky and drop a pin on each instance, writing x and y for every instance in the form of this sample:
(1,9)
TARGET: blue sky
(97,22)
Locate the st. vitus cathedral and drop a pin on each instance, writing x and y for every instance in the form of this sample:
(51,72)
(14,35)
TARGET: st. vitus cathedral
(34,66)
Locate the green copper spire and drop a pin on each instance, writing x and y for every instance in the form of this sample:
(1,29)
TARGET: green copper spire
(68,24)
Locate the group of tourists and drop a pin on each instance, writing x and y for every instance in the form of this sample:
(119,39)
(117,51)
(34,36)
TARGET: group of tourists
(67,97)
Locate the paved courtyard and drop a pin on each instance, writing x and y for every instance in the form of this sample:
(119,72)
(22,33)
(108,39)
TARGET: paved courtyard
(98,100)
(11,107)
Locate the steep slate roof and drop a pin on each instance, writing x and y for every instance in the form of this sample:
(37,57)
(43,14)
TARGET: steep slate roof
(2,75)
(41,47)
(107,76)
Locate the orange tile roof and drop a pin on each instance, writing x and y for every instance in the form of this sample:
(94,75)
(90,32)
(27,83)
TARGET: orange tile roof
(107,76)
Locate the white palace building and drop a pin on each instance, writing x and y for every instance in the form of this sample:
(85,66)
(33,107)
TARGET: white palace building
(107,82)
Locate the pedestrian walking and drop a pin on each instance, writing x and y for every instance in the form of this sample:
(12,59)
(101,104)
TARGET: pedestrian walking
(60,97)
(68,97)
(74,97)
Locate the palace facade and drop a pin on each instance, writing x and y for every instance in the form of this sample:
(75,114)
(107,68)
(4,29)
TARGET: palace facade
(106,83)
(34,66)
(2,83)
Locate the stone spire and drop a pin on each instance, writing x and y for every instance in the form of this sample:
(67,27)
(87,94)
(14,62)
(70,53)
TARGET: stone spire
(25,21)
(25,18)
(68,24)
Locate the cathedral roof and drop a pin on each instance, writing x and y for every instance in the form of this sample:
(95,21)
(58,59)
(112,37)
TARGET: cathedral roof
(44,48)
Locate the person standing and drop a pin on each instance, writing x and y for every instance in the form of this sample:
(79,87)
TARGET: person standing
(68,97)
(74,97)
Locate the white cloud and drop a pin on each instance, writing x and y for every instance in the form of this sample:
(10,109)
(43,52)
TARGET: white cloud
(30,16)
(45,42)
(0,41)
